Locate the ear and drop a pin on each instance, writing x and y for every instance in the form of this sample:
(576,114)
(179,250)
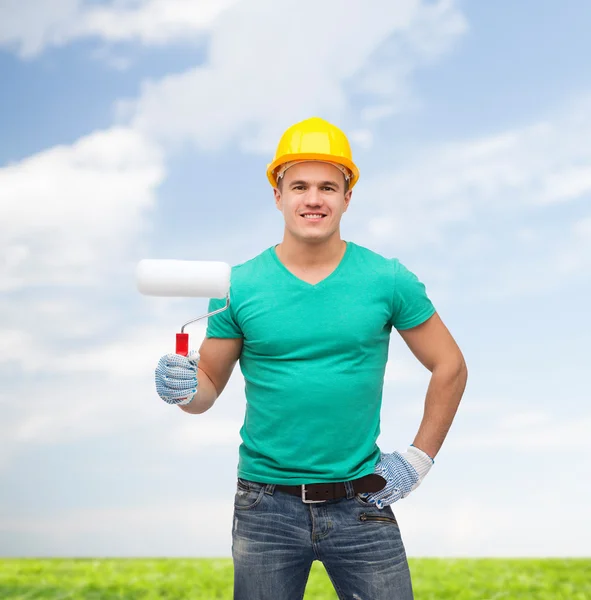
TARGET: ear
(277,195)
(348,199)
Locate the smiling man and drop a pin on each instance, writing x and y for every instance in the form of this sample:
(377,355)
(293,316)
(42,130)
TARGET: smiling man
(310,322)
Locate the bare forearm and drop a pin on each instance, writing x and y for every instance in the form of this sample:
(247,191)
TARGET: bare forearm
(204,398)
(441,403)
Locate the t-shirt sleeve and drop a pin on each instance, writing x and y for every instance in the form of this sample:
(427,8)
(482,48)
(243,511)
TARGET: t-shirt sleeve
(410,304)
(222,325)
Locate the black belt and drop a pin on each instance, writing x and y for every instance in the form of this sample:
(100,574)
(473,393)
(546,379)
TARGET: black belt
(319,492)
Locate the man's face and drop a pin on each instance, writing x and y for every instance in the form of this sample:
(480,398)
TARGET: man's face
(312,199)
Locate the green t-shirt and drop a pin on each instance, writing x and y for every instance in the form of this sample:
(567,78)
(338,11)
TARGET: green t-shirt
(313,361)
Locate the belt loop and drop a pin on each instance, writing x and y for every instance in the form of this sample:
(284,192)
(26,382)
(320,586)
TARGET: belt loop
(270,489)
(349,489)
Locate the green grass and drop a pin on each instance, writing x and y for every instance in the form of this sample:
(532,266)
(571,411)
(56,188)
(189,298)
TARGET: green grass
(184,579)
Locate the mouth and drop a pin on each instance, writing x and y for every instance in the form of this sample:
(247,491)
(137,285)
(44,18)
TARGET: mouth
(314,217)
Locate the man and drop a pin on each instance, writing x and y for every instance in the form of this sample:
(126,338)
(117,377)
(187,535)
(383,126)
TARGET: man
(310,321)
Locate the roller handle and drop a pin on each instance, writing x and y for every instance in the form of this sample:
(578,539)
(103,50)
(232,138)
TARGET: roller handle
(182,344)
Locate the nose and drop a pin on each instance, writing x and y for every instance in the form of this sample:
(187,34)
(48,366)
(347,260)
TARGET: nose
(313,197)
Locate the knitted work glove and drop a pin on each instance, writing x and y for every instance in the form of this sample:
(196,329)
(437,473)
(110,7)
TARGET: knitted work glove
(176,377)
(403,473)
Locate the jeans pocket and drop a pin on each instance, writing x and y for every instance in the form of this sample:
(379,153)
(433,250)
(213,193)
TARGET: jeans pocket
(363,503)
(243,484)
(373,513)
(248,494)
(385,516)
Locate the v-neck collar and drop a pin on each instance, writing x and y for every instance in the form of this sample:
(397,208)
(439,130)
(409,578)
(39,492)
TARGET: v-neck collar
(322,281)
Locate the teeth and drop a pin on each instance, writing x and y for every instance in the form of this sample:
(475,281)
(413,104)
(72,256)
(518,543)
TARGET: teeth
(312,216)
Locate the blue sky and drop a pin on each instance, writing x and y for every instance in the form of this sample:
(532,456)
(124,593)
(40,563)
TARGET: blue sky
(142,128)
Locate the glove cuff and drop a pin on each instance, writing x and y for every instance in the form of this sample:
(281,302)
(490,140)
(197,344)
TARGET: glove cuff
(187,400)
(420,461)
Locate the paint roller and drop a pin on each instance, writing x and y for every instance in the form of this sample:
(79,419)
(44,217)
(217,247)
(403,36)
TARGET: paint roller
(185,278)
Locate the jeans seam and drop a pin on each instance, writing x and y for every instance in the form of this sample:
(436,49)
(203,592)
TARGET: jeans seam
(306,583)
(312,523)
(337,588)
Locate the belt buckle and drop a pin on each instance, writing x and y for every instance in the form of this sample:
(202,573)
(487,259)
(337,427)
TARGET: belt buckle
(308,501)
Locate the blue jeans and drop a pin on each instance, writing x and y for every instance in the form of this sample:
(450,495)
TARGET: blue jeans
(276,537)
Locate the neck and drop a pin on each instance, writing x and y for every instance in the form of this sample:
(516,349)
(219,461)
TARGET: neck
(307,255)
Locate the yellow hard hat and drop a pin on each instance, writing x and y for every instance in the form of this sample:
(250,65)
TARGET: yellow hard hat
(313,139)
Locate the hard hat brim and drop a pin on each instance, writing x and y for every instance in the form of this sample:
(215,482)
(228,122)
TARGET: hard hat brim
(341,160)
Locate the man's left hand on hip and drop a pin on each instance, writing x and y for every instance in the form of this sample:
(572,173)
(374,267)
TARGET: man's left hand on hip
(403,472)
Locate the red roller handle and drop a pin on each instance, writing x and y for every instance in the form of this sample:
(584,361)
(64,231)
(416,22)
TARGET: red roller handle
(182,344)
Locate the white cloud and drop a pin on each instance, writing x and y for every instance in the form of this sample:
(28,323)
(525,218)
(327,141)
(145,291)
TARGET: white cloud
(14,344)
(405,370)
(521,420)
(259,75)
(568,183)
(559,255)
(528,432)
(466,522)
(461,182)
(69,218)
(29,26)
(125,358)
(201,528)
(68,409)
(363,138)
(32,26)
(488,205)
(206,431)
(89,385)
(69,212)
(582,228)
(434,520)
(70,227)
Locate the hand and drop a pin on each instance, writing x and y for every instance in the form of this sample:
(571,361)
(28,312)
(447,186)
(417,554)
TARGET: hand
(176,378)
(403,473)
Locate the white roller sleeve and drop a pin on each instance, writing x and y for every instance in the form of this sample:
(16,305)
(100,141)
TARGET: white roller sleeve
(193,278)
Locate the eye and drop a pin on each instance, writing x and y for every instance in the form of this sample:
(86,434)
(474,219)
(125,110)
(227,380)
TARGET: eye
(329,188)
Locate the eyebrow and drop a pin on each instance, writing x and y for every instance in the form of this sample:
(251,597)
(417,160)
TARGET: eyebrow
(322,183)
